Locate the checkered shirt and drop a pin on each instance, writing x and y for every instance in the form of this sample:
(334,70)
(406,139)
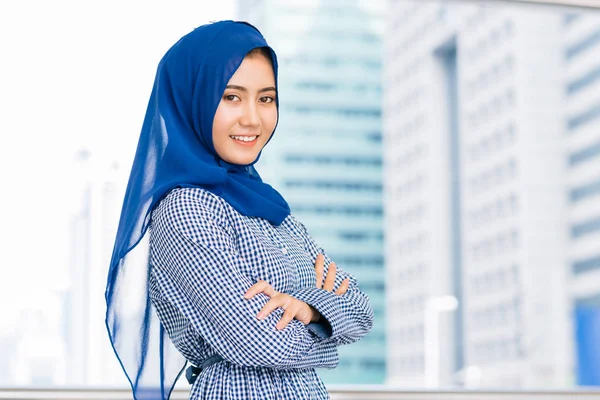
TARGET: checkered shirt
(204,256)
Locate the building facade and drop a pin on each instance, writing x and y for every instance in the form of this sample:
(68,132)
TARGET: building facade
(474,139)
(326,157)
(95,210)
(580,46)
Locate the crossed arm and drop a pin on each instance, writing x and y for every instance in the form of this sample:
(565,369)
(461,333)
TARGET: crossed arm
(294,308)
(197,249)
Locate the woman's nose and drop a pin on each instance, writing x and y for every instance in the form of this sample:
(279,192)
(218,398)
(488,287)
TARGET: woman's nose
(250,117)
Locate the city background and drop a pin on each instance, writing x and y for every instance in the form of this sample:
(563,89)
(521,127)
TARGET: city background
(445,153)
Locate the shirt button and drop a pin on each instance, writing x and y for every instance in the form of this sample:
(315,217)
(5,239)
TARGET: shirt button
(284,250)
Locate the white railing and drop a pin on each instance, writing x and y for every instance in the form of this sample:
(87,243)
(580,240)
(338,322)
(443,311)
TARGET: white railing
(362,392)
(585,4)
(570,3)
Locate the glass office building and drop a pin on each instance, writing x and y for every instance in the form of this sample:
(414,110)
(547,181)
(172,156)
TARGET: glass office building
(491,170)
(580,46)
(326,158)
(475,200)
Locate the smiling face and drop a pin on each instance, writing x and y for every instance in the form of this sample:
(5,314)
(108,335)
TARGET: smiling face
(247,113)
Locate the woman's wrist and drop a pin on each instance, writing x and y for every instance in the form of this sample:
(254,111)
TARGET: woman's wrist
(315,315)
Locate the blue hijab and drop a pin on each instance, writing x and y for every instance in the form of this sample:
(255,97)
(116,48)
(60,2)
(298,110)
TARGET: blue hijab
(176,149)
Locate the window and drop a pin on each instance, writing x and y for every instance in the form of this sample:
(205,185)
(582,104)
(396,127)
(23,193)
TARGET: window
(580,47)
(333,185)
(585,154)
(582,192)
(374,161)
(585,228)
(570,17)
(585,265)
(587,80)
(339,210)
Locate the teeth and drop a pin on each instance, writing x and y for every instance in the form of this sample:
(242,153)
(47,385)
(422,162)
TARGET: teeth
(244,138)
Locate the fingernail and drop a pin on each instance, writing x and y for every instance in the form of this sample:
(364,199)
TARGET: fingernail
(261,315)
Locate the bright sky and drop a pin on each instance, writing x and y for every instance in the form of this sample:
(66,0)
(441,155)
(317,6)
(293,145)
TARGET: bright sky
(73,73)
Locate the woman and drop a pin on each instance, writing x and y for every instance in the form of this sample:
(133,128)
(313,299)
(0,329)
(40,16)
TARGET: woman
(231,282)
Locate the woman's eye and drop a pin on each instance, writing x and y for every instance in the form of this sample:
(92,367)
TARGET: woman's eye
(231,97)
(267,99)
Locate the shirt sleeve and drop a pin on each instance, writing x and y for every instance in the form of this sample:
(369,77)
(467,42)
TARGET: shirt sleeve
(350,315)
(196,264)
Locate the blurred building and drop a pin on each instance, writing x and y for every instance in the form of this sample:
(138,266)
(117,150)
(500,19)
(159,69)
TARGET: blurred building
(581,46)
(474,141)
(326,156)
(39,352)
(93,223)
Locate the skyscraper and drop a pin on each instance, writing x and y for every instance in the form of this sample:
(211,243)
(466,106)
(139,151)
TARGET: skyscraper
(93,224)
(475,195)
(326,156)
(582,143)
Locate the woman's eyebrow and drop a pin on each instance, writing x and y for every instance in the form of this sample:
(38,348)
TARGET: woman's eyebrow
(243,89)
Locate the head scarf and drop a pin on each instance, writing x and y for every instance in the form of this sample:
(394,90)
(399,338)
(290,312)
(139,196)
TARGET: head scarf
(176,149)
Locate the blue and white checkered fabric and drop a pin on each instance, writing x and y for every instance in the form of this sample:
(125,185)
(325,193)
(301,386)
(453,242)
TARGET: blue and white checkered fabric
(205,255)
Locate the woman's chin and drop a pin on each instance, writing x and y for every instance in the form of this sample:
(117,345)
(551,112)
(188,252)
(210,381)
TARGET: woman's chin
(241,159)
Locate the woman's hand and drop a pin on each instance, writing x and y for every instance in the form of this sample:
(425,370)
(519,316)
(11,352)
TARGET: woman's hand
(330,279)
(293,308)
